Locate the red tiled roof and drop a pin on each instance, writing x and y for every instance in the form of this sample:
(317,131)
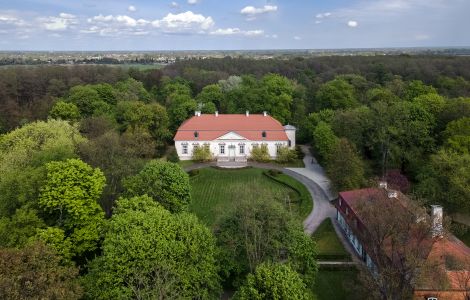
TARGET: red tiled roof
(210,127)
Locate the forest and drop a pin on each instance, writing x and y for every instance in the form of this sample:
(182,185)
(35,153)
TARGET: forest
(79,146)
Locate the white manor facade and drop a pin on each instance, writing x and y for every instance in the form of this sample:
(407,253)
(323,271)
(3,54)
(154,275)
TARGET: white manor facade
(231,137)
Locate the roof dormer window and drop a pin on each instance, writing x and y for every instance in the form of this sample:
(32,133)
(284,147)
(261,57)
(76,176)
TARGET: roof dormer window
(196,134)
(263,134)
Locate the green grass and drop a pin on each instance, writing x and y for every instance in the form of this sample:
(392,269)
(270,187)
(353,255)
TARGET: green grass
(298,163)
(329,246)
(185,163)
(306,203)
(215,191)
(329,285)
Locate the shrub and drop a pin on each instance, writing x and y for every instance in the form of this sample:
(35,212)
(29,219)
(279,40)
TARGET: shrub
(202,154)
(173,156)
(285,155)
(299,152)
(260,153)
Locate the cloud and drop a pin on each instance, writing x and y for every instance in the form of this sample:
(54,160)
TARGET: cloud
(251,12)
(237,31)
(132,8)
(116,25)
(323,15)
(297,38)
(352,23)
(174,4)
(184,23)
(61,23)
(11,20)
(192,2)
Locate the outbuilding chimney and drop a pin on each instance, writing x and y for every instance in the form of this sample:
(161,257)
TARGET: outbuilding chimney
(383,184)
(392,194)
(197,113)
(265,113)
(436,218)
(247,113)
(216,113)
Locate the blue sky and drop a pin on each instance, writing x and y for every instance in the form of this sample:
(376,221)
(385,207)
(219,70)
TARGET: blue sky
(213,25)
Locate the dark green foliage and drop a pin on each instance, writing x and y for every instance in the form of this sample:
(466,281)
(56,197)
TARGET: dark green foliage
(336,94)
(173,156)
(166,182)
(148,251)
(193,173)
(285,155)
(35,272)
(274,172)
(202,154)
(260,153)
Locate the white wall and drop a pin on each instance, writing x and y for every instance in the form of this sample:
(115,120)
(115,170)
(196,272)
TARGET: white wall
(214,147)
(291,136)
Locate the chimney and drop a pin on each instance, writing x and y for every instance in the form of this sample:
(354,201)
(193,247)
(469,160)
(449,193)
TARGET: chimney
(392,194)
(247,113)
(383,185)
(436,218)
(265,113)
(216,113)
(197,113)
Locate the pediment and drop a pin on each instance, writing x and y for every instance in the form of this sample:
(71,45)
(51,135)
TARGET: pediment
(231,136)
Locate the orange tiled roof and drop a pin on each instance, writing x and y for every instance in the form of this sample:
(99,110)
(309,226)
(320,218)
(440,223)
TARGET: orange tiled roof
(210,127)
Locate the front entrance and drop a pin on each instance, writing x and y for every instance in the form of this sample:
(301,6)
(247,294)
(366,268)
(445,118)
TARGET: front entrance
(231,152)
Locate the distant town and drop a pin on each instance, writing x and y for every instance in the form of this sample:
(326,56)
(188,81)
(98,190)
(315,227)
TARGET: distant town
(162,58)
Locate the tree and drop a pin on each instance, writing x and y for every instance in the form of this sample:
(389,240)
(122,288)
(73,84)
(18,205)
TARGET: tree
(416,88)
(85,98)
(397,244)
(345,167)
(277,96)
(65,111)
(211,94)
(258,231)
(324,140)
(147,251)
(70,195)
(260,153)
(273,281)
(336,94)
(202,154)
(285,155)
(16,231)
(457,134)
(35,272)
(166,182)
(131,90)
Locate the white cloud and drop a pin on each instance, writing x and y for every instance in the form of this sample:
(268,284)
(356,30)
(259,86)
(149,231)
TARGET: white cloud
(318,22)
(63,22)
(11,20)
(184,22)
(323,15)
(352,23)
(132,8)
(297,38)
(116,25)
(174,4)
(422,37)
(251,12)
(237,31)
(192,2)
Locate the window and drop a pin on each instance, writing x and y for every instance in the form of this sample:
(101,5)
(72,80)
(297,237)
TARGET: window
(431,298)
(289,143)
(263,134)
(222,149)
(196,134)
(278,147)
(242,149)
(185,148)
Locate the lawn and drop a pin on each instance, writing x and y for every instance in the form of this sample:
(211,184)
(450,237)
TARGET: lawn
(215,191)
(329,246)
(330,284)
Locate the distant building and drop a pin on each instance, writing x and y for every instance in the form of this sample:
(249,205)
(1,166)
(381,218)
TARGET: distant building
(231,137)
(442,250)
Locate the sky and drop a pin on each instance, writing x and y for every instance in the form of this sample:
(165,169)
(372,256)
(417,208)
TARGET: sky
(57,25)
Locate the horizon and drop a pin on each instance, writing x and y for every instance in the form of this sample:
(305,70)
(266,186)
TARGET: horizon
(208,25)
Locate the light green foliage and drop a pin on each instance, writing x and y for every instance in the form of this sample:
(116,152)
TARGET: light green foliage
(106,93)
(260,153)
(433,102)
(416,88)
(86,98)
(55,238)
(211,96)
(458,135)
(166,182)
(131,90)
(64,111)
(148,251)
(446,180)
(336,94)
(202,154)
(230,83)
(324,140)
(285,155)
(17,230)
(345,167)
(277,96)
(381,94)
(70,195)
(273,281)
(23,153)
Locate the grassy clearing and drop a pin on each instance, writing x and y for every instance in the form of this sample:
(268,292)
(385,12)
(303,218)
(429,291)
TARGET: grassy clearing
(330,284)
(215,191)
(329,246)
